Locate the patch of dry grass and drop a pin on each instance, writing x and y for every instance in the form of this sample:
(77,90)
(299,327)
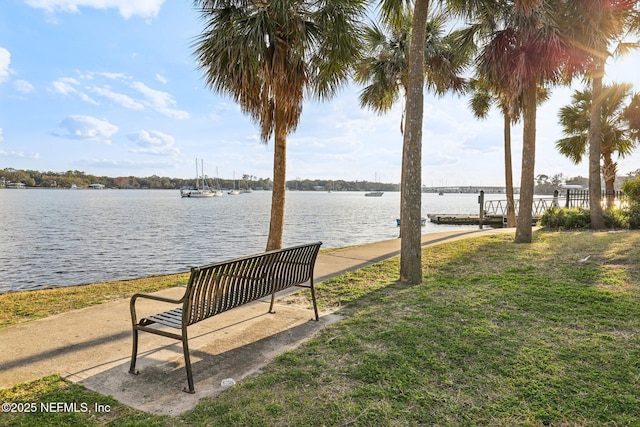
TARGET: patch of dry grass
(17,307)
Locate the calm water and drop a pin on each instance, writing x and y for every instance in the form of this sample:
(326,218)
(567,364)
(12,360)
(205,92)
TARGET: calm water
(73,237)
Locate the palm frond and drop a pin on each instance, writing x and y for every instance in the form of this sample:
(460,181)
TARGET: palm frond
(266,55)
(573,147)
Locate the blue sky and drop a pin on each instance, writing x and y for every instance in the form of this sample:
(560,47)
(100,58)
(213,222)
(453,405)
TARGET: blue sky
(110,87)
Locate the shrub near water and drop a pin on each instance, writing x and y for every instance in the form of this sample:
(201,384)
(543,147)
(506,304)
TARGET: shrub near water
(566,218)
(626,217)
(579,218)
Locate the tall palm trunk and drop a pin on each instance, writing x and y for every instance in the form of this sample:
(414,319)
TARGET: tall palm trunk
(508,171)
(609,171)
(523,223)
(411,187)
(595,148)
(276,226)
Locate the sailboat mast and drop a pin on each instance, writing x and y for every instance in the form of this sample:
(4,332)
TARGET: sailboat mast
(197,176)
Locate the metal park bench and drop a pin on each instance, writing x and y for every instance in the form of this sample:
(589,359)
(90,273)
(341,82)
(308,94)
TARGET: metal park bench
(219,287)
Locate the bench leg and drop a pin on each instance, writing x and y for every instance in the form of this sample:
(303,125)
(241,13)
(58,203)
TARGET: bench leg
(313,298)
(134,353)
(273,298)
(187,364)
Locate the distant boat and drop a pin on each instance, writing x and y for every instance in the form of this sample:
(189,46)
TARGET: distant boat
(423,221)
(202,189)
(377,193)
(233,192)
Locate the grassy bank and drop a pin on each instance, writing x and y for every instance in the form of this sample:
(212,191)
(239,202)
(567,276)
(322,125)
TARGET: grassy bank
(498,334)
(18,307)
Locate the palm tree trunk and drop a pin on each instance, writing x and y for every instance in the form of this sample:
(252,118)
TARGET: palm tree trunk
(276,225)
(508,171)
(595,148)
(523,223)
(609,169)
(411,187)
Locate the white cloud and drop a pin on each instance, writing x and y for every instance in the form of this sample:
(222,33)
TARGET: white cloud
(5,60)
(160,101)
(19,154)
(154,142)
(119,98)
(157,100)
(23,86)
(87,128)
(113,76)
(127,8)
(1,135)
(126,164)
(65,85)
(152,138)
(162,79)
(87,98)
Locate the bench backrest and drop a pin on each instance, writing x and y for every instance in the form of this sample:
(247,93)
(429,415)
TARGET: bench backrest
(219,287)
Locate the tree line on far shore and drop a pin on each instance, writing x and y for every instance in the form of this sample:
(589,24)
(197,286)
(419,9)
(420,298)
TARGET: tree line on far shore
(81,179)
(545,184)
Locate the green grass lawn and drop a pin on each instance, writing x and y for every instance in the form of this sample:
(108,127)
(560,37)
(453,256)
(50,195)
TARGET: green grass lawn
(498,334)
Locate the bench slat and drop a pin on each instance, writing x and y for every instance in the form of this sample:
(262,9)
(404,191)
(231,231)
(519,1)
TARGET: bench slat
(171,318)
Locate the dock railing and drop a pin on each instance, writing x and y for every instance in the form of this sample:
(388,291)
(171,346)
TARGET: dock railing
(580,198)
(573,199)
(540,205)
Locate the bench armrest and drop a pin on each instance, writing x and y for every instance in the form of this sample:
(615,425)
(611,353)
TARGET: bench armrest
(132,303)
(157,298)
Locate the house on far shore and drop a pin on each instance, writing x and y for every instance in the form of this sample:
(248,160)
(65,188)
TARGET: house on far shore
(96,186)
(18,185)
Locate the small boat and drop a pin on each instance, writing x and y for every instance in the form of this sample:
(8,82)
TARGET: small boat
(423,221)
(377,193)
(202,189)
(233,192)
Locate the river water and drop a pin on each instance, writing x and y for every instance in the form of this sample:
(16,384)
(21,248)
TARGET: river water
(73,237)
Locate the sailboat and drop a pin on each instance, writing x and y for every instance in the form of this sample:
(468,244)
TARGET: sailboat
(233,192)
(377,193)
(202,189)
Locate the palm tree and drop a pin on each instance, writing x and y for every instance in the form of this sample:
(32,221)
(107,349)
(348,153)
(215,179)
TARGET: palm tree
(386,69)
(521,48)
(596,25)
(267,54)
(411,179)
(383,68)
(482,98)
(619,133)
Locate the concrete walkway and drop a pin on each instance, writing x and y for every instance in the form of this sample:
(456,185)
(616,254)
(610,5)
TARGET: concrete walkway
(92,346)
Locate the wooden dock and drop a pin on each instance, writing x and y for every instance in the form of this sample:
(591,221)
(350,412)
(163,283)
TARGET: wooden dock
(496,221)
